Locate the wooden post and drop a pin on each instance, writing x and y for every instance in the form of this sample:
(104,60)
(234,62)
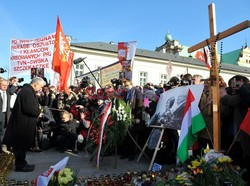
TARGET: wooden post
(214,71)
(214,78)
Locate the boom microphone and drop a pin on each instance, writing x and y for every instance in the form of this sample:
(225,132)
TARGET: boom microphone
(2,70)
(79,60)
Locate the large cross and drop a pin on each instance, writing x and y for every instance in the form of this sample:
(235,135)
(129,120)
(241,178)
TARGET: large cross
(214,72)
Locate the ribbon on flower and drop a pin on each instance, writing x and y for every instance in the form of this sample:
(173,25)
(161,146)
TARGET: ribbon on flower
(103,119)
(44,178)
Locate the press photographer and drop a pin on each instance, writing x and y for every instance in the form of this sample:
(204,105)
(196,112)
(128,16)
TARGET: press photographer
(85,82)
(13,84)
(116,82)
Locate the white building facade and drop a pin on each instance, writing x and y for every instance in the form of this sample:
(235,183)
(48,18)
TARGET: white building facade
(149,66)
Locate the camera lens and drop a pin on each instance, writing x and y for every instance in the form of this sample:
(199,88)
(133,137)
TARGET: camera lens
(20,80)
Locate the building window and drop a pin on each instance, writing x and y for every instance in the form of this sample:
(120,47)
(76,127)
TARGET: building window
(143,78)
(164,78)
(79,69)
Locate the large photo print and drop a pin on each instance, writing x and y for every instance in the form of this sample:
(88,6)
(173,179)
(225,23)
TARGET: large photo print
(170,107)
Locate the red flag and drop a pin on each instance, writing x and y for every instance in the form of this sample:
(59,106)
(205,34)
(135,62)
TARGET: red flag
(245,125)
(62,57)
(203,55)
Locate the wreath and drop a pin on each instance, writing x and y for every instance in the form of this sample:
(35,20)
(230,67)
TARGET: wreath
(116,127)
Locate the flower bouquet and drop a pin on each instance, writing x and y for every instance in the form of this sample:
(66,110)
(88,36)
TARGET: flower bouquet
(65,177)
(210,169)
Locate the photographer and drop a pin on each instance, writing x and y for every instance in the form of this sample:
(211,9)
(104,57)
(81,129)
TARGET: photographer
(13,84)
(116,83)
(85,82)
(85,123)
(79,107)
(67,138)
(45,97)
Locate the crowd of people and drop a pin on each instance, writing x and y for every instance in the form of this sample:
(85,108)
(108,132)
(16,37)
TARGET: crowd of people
(37,117)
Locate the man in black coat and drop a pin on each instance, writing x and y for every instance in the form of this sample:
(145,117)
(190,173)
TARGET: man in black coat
(134,98)
(238,98)
(20,130)
(4,108)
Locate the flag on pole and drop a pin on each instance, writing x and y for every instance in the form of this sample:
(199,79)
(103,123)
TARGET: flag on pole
(204,56)
(44,178)
(245,125)
(192,123)
(126,52)
(104,116)
(62,58)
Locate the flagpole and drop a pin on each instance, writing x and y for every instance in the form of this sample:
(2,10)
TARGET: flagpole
(233,142)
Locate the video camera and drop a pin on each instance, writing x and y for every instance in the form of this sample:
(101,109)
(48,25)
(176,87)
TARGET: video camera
(173,82)
(186,79)
(116,82)
(2,70)
(20,80)
(186,82)
(85,82)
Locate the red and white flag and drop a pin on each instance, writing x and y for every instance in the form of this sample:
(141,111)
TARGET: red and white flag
(104,116)
(44,178)
(126,52)
(62,58)
(204,56)
(245,125)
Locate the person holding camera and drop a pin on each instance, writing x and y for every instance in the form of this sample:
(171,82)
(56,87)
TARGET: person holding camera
(67,138)
(13,85)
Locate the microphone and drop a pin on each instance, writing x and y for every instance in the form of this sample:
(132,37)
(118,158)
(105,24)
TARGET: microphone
(79,60)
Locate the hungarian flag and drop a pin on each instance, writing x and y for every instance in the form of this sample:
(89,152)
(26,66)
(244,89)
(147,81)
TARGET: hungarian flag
(204,56)
(192,123)
(62,58)
(245,125)
(103,118)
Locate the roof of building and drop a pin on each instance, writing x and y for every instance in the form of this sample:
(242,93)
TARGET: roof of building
(231,57)
(102,46)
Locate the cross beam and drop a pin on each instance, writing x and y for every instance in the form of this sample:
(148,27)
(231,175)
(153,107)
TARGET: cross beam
(214,72)
(221,35)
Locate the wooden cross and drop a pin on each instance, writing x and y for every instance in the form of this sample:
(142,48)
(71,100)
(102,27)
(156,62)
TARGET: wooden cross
(214,71)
